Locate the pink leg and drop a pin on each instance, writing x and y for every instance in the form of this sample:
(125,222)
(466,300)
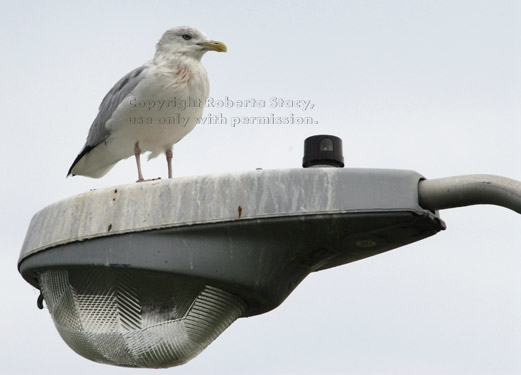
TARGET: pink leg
(169,162)
(137,154)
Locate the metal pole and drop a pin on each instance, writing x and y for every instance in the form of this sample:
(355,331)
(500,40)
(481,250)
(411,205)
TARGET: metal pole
(460,191)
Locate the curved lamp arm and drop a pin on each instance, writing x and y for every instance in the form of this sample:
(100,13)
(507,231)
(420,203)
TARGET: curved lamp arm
(459,191)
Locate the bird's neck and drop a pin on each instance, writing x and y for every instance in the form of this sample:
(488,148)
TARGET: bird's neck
(174,60)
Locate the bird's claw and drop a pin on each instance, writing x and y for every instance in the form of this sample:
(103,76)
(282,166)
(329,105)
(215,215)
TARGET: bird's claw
(150,179)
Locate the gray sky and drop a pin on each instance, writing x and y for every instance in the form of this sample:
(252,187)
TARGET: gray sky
(431,86)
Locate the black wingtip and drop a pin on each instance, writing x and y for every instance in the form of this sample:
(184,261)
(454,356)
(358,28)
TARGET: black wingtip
(83,152)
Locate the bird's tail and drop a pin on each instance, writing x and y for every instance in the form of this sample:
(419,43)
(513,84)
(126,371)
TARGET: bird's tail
(93,162)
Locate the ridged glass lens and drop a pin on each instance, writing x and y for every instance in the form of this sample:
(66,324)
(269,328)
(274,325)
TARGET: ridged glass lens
(136,318)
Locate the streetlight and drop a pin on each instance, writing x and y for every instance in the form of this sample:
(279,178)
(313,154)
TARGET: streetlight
(149,274)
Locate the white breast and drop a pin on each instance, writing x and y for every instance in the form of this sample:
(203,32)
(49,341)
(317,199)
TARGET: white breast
(162,109)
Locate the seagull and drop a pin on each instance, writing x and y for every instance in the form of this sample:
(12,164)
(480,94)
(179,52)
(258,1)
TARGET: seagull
(151,108)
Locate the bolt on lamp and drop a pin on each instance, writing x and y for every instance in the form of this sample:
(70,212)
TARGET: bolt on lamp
(149,274)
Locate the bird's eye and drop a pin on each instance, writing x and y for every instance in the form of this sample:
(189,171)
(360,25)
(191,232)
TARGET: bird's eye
(186,36)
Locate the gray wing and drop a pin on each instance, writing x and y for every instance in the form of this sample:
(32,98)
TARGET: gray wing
(98,131)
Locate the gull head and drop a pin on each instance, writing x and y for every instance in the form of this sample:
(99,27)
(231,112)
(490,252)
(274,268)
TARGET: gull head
(187,41)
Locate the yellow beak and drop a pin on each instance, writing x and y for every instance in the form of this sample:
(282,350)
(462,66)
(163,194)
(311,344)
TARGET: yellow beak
(212,45)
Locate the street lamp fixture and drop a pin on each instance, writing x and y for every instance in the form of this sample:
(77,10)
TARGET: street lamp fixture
(149,274)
